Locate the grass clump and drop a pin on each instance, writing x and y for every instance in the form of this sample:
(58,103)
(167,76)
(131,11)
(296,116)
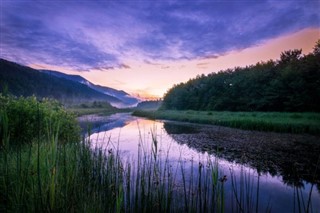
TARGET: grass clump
(263,121)
(29,119)
(49,174)
(45,173)
(44,167)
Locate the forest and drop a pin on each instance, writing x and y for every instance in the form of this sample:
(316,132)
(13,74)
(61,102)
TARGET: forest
(290,84)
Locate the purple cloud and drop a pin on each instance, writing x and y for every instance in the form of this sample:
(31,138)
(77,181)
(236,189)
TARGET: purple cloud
(98,34)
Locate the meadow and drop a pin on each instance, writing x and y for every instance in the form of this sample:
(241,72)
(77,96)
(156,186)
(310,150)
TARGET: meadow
(289,122)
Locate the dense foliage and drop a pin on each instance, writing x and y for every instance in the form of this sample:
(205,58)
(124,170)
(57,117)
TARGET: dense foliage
(289,84)
(27,119)
(149,105)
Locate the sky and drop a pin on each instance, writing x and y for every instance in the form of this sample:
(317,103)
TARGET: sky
(145,47)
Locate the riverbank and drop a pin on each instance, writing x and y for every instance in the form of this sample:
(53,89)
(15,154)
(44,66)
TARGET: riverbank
(288,122)
(105,111)
(293,156)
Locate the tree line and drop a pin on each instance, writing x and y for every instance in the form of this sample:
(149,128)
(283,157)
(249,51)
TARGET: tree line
(291,83)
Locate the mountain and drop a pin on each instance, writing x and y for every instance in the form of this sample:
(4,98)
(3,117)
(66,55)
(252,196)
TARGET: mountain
(25,81)
(125,98)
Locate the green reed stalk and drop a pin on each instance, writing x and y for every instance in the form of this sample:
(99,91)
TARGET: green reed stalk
(257,193)
(184,187)
(50,176)
(4,147)
(38,157)
(312,185)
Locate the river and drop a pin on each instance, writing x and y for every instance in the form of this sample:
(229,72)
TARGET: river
(276,172)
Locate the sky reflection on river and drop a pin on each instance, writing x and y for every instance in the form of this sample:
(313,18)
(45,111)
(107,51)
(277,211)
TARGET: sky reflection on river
(125,133)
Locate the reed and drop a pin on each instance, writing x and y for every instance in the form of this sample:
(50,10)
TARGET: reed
(49,176)
(246,192)
(46,175)
(55,177)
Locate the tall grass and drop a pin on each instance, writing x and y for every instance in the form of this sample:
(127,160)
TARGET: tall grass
(48,176)
(263,121)
(246,192)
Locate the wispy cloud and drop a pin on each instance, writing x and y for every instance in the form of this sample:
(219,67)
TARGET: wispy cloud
(86,35)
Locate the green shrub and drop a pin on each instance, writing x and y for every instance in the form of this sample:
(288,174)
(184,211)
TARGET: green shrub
(30,119)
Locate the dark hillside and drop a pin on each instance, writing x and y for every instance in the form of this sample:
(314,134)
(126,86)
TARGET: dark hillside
(24,81)
(127,100)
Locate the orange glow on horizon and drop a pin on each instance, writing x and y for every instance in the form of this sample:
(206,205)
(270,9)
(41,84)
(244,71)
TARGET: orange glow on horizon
(151,81)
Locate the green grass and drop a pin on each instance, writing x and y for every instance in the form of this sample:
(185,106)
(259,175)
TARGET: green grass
(96,107)
(47,176)
(79,111)
(87,111)
(262,121)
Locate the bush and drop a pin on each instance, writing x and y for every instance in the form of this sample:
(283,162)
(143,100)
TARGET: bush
(29,119)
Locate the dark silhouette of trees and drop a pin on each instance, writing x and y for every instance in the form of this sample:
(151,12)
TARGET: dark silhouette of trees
(289,84)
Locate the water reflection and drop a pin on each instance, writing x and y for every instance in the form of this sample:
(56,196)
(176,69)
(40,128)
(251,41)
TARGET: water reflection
(99,123)
(294,157)
(276,167)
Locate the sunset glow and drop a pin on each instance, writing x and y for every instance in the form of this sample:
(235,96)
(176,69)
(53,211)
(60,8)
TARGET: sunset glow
(153,80)
(144,49)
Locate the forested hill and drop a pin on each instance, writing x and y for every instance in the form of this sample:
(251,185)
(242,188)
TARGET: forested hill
(24,81)
(126,99)
(289,84)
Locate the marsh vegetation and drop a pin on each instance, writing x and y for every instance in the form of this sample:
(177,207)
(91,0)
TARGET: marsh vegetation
(48,168)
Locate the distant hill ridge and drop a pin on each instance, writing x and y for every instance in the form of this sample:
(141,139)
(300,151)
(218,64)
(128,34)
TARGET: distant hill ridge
(69,89)
(119,94)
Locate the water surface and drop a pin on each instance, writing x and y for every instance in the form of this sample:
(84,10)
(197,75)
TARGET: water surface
(282,166)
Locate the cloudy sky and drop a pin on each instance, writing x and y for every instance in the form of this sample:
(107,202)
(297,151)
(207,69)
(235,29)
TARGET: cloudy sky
(144,47)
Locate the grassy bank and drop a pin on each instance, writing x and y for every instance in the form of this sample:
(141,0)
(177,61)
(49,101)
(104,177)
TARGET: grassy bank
(91,110)
(262,121)
(49,176)
(46,173)
(42,172)
(80,110)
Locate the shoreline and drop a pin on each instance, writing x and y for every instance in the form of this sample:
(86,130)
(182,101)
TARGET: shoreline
(283,122)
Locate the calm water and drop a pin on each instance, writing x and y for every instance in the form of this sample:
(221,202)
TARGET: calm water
(277,192)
